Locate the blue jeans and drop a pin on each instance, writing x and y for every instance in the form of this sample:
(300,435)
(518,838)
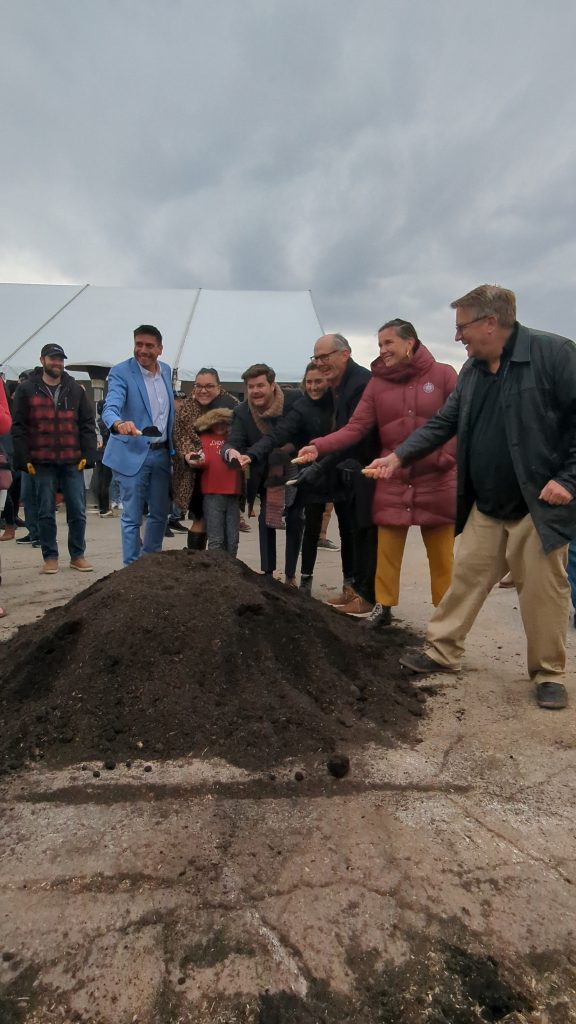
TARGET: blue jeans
(70,481)
(30,502)
(572,571)
(294,519)
(222,517)
(150,485)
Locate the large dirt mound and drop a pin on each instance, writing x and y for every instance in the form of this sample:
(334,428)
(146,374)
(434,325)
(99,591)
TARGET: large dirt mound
(196,654)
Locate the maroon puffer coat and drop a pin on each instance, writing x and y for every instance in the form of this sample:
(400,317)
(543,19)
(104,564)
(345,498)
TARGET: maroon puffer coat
(397,400)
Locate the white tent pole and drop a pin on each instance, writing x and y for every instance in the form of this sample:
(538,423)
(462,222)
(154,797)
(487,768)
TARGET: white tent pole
(176,366)
(315,310)
(46,322)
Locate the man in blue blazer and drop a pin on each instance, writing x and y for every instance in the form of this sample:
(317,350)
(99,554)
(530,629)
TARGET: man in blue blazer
(139,398)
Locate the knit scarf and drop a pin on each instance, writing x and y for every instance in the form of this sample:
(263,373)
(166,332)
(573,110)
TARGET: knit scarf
(276,408)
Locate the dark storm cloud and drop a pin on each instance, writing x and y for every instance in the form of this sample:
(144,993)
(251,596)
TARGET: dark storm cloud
(387,156)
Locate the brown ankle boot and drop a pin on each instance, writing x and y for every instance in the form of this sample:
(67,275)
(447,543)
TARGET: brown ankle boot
(9,533)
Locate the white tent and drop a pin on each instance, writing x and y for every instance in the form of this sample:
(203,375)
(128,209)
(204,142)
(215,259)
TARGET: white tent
(225,329)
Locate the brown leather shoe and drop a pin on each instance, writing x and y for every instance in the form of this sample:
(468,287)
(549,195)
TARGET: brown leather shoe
(357,607)
(81,565)
(346,595)
(290,581)
(9,533)
(50,567)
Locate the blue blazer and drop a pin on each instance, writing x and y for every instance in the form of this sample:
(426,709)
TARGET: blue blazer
(127,399)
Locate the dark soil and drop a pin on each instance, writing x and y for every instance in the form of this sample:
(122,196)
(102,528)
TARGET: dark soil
(193,653)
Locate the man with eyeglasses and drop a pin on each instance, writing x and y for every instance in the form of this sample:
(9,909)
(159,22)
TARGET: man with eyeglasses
(139,412)
(351,492)
(514,410)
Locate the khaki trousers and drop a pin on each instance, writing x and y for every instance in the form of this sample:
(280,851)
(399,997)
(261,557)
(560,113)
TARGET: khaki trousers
(439,542)
(488,548)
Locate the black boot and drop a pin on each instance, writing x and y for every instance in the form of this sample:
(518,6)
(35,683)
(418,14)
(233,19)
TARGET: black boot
(196,541)
(306,585)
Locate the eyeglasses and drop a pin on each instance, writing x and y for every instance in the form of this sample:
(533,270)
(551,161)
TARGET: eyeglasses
(322,359)
(462,327)
(204,387)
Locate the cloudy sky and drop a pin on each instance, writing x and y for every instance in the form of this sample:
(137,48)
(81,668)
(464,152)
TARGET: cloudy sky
(388,154)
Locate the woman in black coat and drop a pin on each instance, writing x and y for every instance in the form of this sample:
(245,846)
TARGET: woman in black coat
(310,416)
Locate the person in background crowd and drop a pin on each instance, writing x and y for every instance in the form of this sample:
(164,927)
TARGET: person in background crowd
(174,524)
(324,541)
(208,394)
(28,485)
(103,473)
(514,410)
(257,415)
(311,414)
(139,412)
(220,484)
(54,436)
(408,386)
(5,424)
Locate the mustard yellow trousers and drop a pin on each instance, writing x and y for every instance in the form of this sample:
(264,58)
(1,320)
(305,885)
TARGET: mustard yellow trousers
(439,543)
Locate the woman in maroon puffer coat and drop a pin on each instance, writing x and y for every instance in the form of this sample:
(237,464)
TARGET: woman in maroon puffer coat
(408,386)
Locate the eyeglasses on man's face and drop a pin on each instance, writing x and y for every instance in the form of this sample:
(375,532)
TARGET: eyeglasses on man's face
(462,327)
(324,356)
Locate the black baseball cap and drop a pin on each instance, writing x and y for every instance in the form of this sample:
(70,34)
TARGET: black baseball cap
(53,350)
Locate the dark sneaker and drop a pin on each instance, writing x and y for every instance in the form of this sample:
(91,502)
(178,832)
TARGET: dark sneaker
(24,540)
(552,696)
(381,615)
(306,584)
(417,661)
(177,526)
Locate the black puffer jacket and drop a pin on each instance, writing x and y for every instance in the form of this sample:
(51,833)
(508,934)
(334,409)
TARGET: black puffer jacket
(307,418)
(539,398)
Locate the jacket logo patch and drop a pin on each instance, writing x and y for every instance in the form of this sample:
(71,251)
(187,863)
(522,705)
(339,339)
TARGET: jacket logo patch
(428,387)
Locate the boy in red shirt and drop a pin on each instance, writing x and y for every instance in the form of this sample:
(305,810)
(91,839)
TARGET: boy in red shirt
(219,482)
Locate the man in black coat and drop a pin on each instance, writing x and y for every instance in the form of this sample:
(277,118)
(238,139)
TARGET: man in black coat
(514,410)
(263,408)
(351,492)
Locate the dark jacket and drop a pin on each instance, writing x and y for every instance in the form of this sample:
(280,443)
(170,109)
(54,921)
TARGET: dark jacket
(305,419)
(45,433)
(346,398)
(539,398)
(244,433)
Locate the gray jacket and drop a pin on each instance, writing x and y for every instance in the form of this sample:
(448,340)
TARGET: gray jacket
(539,397)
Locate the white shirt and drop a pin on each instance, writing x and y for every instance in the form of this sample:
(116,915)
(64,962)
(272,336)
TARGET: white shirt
(159,402)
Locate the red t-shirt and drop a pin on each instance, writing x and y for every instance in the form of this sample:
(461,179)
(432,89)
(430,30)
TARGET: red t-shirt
(217,477)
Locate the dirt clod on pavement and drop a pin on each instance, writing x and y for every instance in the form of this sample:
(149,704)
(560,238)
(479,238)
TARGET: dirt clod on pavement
(196,654)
